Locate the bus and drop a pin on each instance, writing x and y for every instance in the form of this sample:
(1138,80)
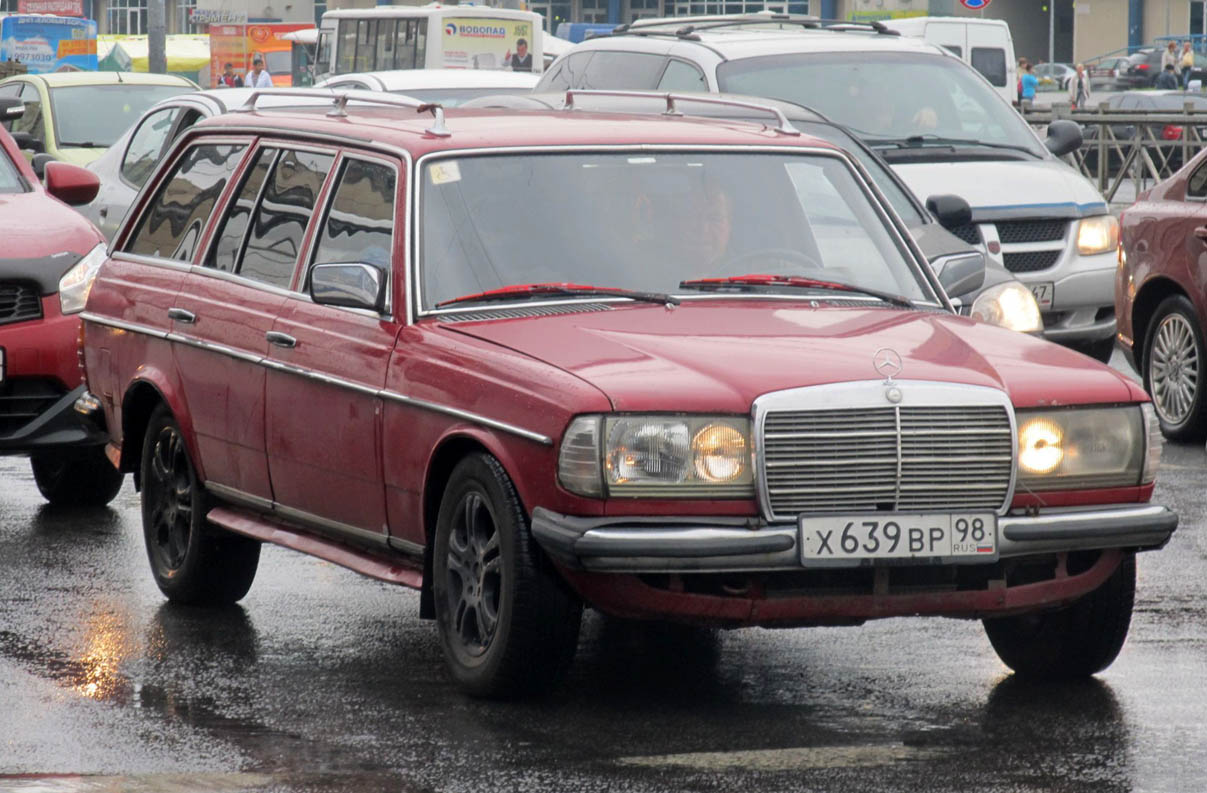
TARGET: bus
(433,36)
(48,43)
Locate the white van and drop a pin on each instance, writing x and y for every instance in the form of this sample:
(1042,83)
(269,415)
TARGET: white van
(984,44)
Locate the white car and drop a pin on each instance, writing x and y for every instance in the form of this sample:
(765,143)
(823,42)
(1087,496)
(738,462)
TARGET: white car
(939,124)
(449,87)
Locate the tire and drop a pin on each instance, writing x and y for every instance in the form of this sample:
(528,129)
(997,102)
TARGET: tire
(1172,366)
(1077,641)
(508,625)
(193,563)
(83,478)
(1100,350)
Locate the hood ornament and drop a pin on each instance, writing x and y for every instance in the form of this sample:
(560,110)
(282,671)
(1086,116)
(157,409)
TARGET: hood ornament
(887,362)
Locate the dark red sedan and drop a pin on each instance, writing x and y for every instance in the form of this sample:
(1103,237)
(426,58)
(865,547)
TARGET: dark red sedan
(1161,296)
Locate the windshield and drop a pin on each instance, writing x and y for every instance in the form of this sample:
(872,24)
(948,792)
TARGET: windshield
(95,116)
(454,97)
(886,95)
(647,221)
(10,180)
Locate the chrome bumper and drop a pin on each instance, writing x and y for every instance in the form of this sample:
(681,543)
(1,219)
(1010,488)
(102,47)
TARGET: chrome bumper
(679,544)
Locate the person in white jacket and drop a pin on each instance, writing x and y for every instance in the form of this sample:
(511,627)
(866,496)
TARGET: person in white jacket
(258,77)
(1079,88)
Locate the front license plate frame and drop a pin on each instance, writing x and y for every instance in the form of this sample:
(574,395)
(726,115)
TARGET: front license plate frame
(1044,292)
(854,540)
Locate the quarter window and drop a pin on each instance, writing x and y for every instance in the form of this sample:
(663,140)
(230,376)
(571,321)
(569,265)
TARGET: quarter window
(359,226)
(681,76)
(175,218)
(146,145)
(275,238)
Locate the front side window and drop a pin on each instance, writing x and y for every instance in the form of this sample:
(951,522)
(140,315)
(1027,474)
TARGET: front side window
(359,227)
(649,220)
(146,144)
(31,121)
(173,221)
(274,240)
(1196,185)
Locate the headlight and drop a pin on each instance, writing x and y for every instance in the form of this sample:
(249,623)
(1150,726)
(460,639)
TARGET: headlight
(657,457)
(1084,448)
(1097,235)
(1010,305)
(77,283)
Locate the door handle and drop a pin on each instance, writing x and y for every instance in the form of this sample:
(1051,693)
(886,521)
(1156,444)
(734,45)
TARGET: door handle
(281,339)
(181,315)
(1201,233)
(103,212)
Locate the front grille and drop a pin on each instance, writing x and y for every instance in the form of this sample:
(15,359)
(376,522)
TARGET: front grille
(969,232)
(19,301)
(23,399)
(1009,231)
(1030,261)
(887,458)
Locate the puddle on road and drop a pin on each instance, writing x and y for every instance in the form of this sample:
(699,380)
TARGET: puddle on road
(151,783)
(789,759)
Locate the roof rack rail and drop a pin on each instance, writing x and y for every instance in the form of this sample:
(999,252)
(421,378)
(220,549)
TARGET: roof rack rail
(340,99)
(688,26)
(785,126)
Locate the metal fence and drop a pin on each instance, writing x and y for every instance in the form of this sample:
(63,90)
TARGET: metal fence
(1128,148)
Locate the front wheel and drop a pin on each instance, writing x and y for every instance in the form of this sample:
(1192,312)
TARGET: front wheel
(193,562)
(1077,641)
(82,478)
(1173,355)
(507,624)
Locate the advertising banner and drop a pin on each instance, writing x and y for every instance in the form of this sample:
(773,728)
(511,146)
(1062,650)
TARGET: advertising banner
(487,43)
(238,44)
(48,43)
(65,8)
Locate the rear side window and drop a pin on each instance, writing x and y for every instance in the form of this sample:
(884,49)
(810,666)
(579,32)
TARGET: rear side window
(566,74)
(146,144)
(1196,185)
(991,62)
(954,49)
(622,71)
(359,227)
(682,76)
(176,216)
(274,241)
(228,243)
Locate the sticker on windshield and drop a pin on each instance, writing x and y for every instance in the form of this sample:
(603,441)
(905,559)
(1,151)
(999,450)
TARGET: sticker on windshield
(444,172)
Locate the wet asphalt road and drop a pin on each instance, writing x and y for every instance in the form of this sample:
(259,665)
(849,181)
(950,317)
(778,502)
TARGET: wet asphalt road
(321,680)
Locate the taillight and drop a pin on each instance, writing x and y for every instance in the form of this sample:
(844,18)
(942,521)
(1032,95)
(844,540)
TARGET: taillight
(1172,132)
(1142,67)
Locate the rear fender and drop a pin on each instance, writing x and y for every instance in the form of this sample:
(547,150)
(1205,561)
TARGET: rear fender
(149,389)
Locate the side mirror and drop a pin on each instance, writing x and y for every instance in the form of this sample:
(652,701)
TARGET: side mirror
(1064,136)
(39,163)
(962,273)
(11,108)
(71,184)
(950,210)
(26,141)
(348,285)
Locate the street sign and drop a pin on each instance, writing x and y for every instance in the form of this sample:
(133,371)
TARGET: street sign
(975,5)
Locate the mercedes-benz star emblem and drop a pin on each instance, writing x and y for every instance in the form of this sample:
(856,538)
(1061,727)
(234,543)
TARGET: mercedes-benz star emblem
(887,362)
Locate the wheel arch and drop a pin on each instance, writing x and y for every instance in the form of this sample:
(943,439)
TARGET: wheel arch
(140,401)
(1144,306)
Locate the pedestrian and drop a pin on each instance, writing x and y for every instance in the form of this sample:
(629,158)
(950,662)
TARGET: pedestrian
(229,79)
(1167,80)
(1022,67)
(1170,56)
(1187,64)
(1079,88)
(1030,83)
(258,77)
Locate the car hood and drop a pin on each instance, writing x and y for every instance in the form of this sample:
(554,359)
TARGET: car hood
(1007,189)
(719,355)
(79,156)
(43,238)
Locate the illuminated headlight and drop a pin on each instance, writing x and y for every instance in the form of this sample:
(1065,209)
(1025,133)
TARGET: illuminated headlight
(1085,448)
(1097,235)
(657,457)
(77,283)
(1010,305)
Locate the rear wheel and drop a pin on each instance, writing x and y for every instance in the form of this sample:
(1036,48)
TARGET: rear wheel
(192,561)
(1172,366)
(83,478)
(1076,641)
(508,625)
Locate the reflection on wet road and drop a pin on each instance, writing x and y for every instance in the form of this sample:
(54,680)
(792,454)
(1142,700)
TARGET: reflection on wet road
(324,681)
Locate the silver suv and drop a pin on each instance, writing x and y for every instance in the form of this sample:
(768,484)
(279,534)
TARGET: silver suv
(933,118)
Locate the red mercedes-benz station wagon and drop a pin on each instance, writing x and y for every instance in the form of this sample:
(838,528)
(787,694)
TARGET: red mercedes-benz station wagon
(672,368)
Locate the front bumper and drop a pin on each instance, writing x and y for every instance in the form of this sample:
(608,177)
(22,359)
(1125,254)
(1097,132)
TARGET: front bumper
(701,545)
(60,426)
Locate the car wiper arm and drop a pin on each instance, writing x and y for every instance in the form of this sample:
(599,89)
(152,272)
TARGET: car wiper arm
(793,282)
(522,291)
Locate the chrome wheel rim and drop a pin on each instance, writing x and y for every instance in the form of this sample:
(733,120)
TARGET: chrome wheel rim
(1173,369)
(474,568)
(170,497)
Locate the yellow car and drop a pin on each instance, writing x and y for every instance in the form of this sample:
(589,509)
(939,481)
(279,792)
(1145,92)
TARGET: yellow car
(75,116)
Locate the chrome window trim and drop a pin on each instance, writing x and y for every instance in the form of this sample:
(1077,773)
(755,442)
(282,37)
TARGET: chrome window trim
(899,235)
(132,327)
(857,394)
(475,418)
(241,280)
(254,154)
(221,349)
(138,258)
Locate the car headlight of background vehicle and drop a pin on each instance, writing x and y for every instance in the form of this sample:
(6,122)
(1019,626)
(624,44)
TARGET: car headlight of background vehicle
(1010,305)
(1097,235)
(75,285)
(1087,448)
(658,457)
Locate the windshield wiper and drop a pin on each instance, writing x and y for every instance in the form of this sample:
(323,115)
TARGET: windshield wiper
(792,281)
(521,291)
(917,141)
(88,144)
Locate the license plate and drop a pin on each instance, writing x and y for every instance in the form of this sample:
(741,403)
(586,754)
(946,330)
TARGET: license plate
(1043,293)
(958,536)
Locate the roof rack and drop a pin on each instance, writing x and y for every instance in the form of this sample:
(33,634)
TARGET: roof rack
(339,103)
(688,26)
(785,126)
